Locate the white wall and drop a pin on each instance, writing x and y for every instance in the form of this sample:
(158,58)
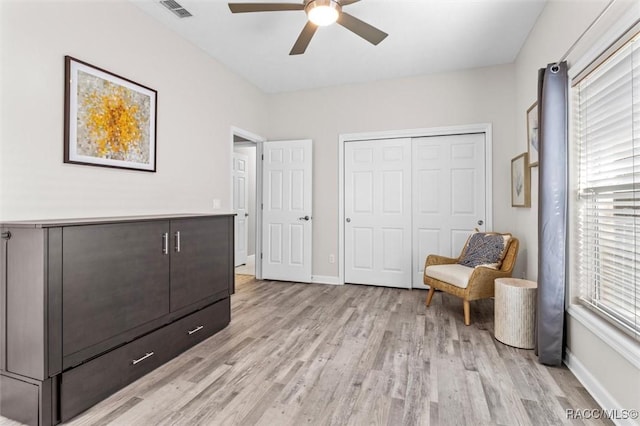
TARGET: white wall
(609,376)
(485,95)
(198,102)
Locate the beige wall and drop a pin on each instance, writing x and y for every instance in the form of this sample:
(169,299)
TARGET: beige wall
(558,27)
(198,102)
(610,377)
(485,95)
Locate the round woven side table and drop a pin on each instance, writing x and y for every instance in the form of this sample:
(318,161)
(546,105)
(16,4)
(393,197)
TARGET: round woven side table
(515,312)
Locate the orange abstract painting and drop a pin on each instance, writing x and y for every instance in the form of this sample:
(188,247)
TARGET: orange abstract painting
(111,120)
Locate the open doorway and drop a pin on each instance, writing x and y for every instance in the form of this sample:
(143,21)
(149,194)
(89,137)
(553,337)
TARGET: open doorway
(245,201)
(274,222)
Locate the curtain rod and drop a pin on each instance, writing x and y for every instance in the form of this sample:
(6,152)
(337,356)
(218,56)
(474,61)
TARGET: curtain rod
(595,21)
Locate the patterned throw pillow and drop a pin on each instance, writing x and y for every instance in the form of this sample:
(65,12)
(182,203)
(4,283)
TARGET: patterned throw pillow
(485,249)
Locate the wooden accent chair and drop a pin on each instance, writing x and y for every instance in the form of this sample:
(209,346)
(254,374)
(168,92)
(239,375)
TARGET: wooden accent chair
(480,283)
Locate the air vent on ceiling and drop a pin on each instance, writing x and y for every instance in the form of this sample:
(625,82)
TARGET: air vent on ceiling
(176,8)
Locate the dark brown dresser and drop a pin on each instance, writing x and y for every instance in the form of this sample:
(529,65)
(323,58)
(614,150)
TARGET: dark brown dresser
(88,306)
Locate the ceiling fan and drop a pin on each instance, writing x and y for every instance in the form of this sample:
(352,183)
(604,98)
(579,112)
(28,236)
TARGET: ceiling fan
(319,13)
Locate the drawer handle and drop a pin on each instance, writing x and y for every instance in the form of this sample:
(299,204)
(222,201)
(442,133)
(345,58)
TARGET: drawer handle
(195,330)
(165,243)
(135,361)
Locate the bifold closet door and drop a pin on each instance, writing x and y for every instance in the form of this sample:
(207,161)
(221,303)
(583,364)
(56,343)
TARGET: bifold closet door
(448,195)
(378,212)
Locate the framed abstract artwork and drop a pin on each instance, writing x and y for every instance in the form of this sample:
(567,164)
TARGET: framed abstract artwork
(110,121)
(533,137)
(520,181)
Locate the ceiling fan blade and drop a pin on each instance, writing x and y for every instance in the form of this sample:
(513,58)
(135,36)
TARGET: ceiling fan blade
(364,30)
(304,38)
(263,7)
(347,2)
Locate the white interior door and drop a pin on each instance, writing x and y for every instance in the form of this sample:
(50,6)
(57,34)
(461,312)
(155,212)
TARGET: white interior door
(378,212)
(240,206)
(448,195)
(286,217)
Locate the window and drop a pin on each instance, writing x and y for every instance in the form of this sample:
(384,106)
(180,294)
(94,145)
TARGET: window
(607,132)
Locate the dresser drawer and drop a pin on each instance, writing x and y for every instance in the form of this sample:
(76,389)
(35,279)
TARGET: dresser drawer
(85,385)
(200,325)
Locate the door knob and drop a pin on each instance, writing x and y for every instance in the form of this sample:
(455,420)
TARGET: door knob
(481,222)
(348,219)
(304,218)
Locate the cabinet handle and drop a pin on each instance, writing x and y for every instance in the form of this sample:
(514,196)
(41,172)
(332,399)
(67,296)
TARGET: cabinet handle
(195,330)
(177,242)
(148,354)
(165,243)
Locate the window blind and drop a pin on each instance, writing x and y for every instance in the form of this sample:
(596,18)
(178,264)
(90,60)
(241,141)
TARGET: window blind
(607,131)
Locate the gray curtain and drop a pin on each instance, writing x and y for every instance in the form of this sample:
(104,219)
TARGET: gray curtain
(552,211)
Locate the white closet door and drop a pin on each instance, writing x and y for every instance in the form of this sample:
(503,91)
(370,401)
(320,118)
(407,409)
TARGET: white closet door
(448,195)
(378,212)
(240,205)
(286,217)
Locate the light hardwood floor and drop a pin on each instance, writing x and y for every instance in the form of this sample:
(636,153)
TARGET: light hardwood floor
(313,354)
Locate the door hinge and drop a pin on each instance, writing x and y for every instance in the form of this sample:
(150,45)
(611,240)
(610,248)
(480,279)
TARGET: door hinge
(260,255)
(262,157)
(261,206)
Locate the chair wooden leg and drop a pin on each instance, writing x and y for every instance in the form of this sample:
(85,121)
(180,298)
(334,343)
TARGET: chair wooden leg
(430,295)
(467,314)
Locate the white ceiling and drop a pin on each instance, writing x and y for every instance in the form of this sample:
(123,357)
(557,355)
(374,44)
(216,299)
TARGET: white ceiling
(425,36)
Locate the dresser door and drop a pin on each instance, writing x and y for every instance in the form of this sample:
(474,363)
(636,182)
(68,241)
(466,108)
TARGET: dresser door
(116,277)
(201,259)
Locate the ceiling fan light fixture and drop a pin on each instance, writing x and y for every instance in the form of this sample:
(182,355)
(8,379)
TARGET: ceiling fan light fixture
(323,12)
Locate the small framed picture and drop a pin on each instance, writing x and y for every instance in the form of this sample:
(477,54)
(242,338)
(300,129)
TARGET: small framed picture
(533,139)
(520,181)
(110,121)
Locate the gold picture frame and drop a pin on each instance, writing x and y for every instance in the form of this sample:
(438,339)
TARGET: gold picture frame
(520,181)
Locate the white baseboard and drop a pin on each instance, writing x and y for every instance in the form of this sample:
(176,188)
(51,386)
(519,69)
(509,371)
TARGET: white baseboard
(325,279)
(595,388)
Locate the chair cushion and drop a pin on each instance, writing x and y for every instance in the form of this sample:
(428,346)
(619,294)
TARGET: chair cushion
(453,273)
(485,249)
